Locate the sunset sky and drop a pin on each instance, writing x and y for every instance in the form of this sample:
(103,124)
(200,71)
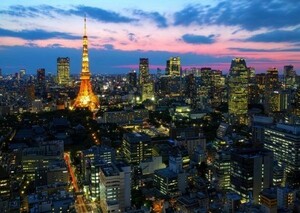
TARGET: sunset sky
(203,33)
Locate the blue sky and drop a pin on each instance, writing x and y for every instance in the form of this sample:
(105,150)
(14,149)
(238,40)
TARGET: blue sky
(203,33)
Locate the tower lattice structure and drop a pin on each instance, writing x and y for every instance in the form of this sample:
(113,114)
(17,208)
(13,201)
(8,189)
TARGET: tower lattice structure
(86,98)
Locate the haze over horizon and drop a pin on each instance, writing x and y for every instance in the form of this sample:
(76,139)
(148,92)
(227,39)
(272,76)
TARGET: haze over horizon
(206,34)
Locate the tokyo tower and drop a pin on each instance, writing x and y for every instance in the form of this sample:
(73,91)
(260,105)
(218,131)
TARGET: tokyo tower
(86,98)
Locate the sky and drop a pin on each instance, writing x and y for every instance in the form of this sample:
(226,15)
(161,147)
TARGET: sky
(204,33)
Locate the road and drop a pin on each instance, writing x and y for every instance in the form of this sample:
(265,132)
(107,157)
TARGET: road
(80,204)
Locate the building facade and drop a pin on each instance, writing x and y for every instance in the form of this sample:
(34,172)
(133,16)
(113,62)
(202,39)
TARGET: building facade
(63,70)
(284,141)
(238,80)
(251,172)
(137,147)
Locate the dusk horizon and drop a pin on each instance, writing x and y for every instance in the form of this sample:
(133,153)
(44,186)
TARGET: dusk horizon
(206,34)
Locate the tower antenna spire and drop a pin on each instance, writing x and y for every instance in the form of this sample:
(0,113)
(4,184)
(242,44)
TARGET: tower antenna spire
(85,24)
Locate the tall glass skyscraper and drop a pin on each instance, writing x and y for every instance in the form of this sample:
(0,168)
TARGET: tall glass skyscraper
(63,70)
(145,81)
(173,66)
(238,80)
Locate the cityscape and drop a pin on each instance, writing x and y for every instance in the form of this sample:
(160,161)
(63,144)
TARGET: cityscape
(180,137)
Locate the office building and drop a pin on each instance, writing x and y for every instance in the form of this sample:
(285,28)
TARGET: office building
(271,94)
(260,83)
(137,147)
(95,153)
(144,75)
(145,81)
(148,91)
(259,123)
(268,201)
(63,70)
(191,89)
(5,191)
(94,177)
(41,76)
(132,79)
(170,86)
(284,141)
(173,67)
(289,76)
(134,116)
(296,102)
(115,187)
(217,89)
(222,166)
(166,182)
(238,80)
(251,172)
(286,198)
(171,181)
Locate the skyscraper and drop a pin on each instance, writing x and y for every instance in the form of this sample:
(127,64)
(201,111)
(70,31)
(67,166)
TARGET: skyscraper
(63,70)
(144,71)
(40,75)
(173,66)
(132,78)
(238,80)
(271,91)
(289,75)
(86,98)
(145,81)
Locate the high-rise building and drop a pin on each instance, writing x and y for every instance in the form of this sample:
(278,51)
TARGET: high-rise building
(86,98)
(217,89)
(171,181)
(260,81)
(289,76)
(63,70)
(170,86)
(132,78)
(296,103)
(173,66)
(284,141)
(30,92)
(145,81)
(238,80)
(102,152)
(115,187)
(190,88)
(137,147)
(222,167)
(272,87)
(144,76)
(41,76)
(22,73)
(258,125)
(251,172)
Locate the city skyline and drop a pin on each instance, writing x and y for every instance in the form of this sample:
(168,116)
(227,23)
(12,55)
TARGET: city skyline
(210,33)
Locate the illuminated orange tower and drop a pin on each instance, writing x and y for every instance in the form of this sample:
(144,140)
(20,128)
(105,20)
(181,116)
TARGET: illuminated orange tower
(86,98)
